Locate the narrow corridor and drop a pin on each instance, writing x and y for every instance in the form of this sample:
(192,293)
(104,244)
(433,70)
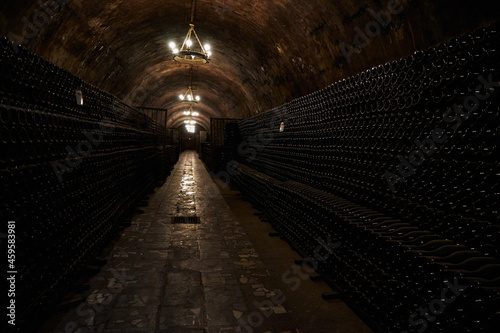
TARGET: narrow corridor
(222,273)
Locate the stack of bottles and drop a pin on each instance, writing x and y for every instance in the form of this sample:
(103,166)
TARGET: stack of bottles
(399,164)
(224,136)
(206,153)
(69,172)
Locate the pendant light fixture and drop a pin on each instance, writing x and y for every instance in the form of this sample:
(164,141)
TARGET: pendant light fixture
(188,96)
(190,112)
(190,125)
(192,51)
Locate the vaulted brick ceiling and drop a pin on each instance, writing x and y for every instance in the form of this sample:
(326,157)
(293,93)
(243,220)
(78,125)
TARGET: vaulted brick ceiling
(265,53)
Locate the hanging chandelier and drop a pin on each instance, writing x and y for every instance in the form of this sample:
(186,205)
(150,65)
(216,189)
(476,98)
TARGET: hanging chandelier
(190,125)
(191,52)
(190,112)
(188,96)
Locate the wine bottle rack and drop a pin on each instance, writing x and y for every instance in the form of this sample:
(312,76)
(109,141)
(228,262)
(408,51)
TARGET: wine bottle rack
(67,189)
(325,174)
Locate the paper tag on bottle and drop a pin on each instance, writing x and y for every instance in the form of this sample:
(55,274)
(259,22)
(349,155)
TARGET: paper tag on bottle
(79,97)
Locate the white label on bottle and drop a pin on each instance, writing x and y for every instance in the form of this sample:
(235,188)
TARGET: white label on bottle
(79,97)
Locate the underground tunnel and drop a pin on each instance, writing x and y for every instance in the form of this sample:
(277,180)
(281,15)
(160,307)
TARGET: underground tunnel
(250,166)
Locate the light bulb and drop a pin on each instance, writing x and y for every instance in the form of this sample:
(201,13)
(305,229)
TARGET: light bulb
(197,98)
(189,43)
(209,54)
(192,57)
(195,114)
(175,51)
(207,47)
(181,97)
(172,45)
(189,97)
(187,113)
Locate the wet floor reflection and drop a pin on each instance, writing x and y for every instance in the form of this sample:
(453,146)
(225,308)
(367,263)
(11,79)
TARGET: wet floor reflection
(186,204)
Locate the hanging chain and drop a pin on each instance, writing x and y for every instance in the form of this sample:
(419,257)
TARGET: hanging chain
(192,11)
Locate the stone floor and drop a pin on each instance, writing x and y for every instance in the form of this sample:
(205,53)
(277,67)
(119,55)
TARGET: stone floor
(222,275)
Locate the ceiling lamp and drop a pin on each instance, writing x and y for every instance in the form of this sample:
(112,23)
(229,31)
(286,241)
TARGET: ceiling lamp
(190,122)
(188,97)
(190,112)
(191,52)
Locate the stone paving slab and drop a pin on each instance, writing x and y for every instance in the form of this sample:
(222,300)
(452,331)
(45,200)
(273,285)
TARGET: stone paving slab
(181,278)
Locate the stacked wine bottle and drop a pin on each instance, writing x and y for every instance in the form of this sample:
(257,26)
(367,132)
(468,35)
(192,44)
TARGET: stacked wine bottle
(223,140)
(69,172)
(399,165)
